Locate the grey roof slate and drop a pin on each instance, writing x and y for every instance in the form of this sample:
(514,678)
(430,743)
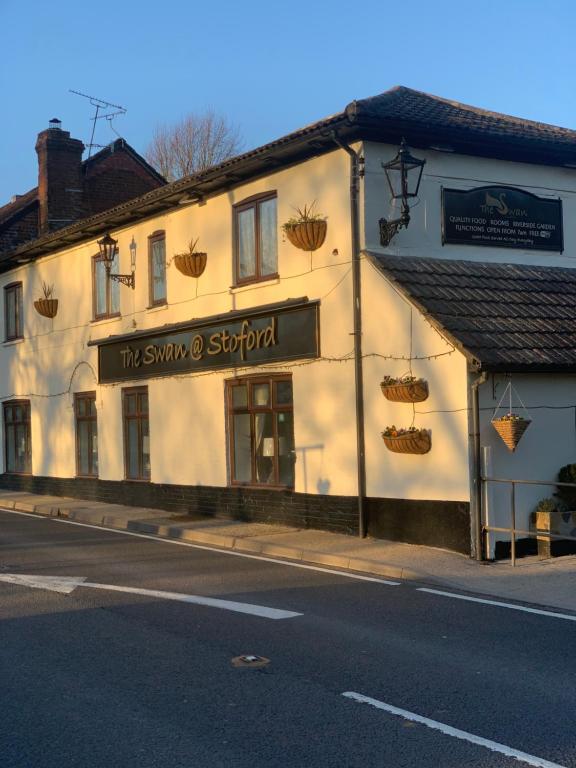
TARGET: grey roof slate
(503,317)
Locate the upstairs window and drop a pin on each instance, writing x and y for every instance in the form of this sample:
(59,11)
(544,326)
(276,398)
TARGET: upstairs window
(157,268)
(256,239)
(106,293)
(13,312)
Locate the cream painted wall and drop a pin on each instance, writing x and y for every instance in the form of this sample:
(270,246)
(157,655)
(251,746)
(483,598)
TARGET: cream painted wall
(443,473)
(187,415)
(424,235)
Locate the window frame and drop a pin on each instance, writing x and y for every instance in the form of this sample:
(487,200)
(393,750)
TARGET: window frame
(272,408)
(27,422)
(138,416)
(15,288)
(155,237)
(109,284)
(91,420)
(253,203)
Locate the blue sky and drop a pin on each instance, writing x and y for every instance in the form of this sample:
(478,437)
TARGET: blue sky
(271,67)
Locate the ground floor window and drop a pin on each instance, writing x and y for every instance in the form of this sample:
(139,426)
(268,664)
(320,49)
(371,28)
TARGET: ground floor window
(136,433)
(17,445)
(261,431)
(86,434)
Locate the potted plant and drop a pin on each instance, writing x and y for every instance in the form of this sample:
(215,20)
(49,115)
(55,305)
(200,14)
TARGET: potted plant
(404,389)
(411,440)
(511,427)
(47,306)
(192,263)
(306,230)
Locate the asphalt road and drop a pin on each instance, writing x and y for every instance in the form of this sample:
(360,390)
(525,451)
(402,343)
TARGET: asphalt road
(99,678)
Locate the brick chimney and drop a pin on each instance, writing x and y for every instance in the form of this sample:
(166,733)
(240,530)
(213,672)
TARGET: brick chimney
(59,178)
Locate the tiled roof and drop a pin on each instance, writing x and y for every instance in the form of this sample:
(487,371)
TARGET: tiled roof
(452,117)
(503,317)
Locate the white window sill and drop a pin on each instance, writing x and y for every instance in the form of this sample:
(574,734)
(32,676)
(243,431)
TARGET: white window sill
(158,308)
(12,342)
(253,285)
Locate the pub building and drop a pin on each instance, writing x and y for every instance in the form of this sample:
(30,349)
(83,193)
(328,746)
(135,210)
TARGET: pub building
(201,350)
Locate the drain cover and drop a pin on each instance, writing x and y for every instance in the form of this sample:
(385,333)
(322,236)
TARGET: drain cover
(250,660)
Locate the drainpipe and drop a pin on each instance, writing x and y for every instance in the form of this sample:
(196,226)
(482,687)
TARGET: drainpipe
(357,300)
(477,496)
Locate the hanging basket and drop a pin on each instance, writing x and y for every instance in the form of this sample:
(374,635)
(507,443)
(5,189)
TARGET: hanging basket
(405,391)
(511,430)
(191,264)
(306,235)
(417,441)
(46,307)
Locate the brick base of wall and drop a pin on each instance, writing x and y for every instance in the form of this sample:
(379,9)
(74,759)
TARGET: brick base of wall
(435,523)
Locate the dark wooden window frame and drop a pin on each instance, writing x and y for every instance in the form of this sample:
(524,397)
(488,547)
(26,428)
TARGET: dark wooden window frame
(153,238)
(15,288)
(107,313)
(138,416)
(244,205)
(27,421)
(273,408)
(91,420)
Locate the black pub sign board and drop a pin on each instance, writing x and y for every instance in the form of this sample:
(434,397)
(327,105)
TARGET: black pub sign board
(502,217)
(238,340)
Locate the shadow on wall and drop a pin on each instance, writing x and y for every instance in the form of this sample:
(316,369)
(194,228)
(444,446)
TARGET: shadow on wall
(302,451)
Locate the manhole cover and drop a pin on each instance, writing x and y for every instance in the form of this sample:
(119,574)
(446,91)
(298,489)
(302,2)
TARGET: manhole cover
(250,660)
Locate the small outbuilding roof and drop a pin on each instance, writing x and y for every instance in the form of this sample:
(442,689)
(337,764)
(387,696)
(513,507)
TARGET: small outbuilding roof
(503,317)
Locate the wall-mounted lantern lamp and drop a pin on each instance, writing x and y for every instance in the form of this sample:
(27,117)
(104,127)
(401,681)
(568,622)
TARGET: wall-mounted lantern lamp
(108,249)
(403,175)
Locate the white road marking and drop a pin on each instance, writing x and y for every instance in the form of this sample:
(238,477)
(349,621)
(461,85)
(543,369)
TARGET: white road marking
(494,746)
(68,584)
(500,604)
(290,563)
(64,584)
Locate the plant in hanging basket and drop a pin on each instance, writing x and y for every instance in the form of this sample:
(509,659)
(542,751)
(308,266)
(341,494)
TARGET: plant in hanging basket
(47,306)
(404,389)
(306,230)
(511,427)
(410,440)
(192,263)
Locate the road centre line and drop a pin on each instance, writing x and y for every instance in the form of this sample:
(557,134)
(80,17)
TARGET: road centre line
(499,604)
(291,563)
(456,733)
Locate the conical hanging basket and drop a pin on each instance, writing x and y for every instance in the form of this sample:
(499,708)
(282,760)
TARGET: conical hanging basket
(405,392)
(191,264)
(306,235)
(511,430)
(46,307)
(409,442)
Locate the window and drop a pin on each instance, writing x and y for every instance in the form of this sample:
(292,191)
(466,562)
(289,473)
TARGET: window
(157,268)
(106,293)
(261,431)
(256,239)
(86,434)
(13,312)
(17,447)
(136,433)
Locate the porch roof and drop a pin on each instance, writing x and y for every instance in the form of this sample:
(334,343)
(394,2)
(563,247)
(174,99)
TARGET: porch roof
(502,317)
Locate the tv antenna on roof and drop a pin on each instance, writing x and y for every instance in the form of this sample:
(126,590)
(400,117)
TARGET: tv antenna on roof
(105,107)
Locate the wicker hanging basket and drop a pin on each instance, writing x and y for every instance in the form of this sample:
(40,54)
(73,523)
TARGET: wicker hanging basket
(306,235)
(46,307)
(405,391)
(511,430)
(191,264)
(418,441)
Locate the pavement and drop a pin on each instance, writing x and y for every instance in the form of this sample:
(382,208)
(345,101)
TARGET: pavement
(548,583)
